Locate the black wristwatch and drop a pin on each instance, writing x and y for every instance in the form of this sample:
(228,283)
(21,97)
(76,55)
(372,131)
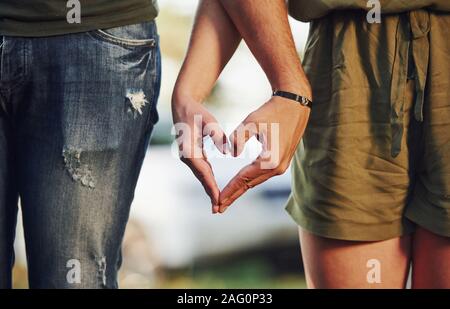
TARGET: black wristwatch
(292,96)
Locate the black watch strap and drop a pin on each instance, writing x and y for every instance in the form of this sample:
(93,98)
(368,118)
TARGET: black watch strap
(292,96)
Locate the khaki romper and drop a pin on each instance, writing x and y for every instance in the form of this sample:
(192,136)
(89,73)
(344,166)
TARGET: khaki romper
(375,157)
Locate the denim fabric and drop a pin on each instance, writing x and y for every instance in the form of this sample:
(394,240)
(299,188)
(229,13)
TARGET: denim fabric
(76,115)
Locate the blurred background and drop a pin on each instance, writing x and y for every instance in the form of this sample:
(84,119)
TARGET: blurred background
(172,239)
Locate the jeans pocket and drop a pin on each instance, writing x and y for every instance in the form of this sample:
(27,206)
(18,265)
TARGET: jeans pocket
(138,35)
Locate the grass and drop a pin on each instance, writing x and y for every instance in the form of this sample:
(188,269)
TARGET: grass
(249,273)
(243,274)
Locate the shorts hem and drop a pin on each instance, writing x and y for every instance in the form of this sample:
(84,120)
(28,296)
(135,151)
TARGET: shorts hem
(349,230)
(426,216)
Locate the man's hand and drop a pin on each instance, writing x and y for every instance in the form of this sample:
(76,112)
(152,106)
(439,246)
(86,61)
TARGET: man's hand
(192,123)
(213,42)
(279,125)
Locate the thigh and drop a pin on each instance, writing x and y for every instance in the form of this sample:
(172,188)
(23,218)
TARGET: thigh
(8,200)
(84,132)
(430,208)
(430,260)
(331,263)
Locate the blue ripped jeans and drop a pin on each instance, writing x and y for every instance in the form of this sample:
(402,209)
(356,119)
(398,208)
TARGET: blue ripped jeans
(76,115)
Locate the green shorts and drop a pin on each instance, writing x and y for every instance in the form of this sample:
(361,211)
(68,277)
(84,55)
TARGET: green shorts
(375,157)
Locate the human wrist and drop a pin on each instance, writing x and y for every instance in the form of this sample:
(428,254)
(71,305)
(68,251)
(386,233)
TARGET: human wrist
(183,96)
(300,87)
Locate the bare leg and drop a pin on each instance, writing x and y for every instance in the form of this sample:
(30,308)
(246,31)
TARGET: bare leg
(431,260)
(331,263)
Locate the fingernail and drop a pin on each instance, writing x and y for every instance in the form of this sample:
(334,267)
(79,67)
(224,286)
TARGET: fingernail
(215,209)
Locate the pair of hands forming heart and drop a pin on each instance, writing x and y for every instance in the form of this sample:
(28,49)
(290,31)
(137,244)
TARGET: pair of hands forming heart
(193,122)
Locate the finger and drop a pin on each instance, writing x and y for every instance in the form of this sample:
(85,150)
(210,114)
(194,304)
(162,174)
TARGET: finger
(218,136)
(203,171)
(249,177)
(215,201)
(240,137)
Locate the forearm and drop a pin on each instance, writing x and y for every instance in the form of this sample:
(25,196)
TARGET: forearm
(213,42)
(264,26)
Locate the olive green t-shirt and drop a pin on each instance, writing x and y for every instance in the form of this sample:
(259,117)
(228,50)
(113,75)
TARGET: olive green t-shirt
(307,10)
(54,17)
